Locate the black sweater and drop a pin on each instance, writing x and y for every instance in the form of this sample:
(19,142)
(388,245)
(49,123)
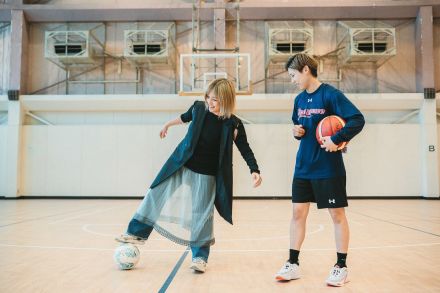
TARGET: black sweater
(206,155)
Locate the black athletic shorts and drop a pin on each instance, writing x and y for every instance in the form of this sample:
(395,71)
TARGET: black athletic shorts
(327,193)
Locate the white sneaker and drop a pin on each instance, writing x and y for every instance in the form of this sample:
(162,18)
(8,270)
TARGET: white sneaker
(126,238)
(337,277)
(198,265)
(288,272)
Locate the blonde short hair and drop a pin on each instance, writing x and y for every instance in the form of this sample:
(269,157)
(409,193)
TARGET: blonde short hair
(224,91)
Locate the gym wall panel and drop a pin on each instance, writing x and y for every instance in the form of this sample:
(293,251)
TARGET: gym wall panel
(3,168)
(100,118)
(437,52)
(34,160)
(275,150)
(382,161)
(94,160)
(5,44)
(121,160)
(438,145)
(377,162)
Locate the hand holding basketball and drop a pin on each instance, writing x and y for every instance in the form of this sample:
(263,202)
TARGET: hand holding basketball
(328,144)
(298,130)
(328,127)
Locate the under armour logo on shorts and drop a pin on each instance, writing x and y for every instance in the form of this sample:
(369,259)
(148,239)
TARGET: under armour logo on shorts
(332,200)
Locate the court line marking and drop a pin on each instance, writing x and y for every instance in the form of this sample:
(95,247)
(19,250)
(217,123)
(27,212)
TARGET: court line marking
(219,250)
(86,229)
(397,224)
(92,213)
(173,273)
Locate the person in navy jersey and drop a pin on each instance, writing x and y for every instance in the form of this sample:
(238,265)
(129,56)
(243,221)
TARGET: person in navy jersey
(319,174)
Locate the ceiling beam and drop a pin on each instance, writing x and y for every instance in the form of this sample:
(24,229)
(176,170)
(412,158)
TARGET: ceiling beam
(251,10)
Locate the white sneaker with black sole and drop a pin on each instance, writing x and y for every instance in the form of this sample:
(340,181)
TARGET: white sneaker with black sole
(126,238)
(288,272)
(198,264)
(337,277)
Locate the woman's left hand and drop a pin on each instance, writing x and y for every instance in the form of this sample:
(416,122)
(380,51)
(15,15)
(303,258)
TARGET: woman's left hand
(257,179)
(328,144)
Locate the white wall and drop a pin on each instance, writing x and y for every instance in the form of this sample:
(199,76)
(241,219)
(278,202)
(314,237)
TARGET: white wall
(5,43)
(103,118)
(109,145)
(438,142)
(121,160)
(3,167)
(92,160)
(377,163)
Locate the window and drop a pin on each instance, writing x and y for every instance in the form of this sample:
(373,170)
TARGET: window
(290,47)
(379,47)
(149,49)
(67,49)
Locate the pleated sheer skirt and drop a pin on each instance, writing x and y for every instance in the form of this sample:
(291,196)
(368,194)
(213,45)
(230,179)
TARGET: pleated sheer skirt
(181,208)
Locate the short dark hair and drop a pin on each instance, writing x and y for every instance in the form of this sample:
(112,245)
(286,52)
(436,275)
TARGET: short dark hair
(300,60)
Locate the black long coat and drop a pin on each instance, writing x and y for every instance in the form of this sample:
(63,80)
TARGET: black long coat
(185,149)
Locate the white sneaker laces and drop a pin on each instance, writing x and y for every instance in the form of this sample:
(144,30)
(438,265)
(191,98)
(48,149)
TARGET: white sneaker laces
(199,260)
(286,267)
(336,271)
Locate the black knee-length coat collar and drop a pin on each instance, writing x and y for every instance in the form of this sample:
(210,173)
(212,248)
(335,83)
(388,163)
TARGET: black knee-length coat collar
(185,149)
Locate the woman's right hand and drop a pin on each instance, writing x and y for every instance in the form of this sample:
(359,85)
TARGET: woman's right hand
(164,131)
(298,131)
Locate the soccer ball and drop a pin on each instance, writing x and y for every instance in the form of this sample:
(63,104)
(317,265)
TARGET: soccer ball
(126,256)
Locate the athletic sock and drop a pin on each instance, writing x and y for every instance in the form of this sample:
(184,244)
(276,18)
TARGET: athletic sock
(342,258)
(293,256)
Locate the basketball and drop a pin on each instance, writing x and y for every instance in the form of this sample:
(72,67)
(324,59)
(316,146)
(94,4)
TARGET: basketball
(126,256)
(329,126)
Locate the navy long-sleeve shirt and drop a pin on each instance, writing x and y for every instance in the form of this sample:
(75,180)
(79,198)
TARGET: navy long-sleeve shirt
(312,161)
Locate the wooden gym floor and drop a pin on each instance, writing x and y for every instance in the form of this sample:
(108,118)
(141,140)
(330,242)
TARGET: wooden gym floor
(67,246)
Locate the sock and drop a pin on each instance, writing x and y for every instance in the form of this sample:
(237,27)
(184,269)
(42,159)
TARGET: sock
(342,257)
(293,256)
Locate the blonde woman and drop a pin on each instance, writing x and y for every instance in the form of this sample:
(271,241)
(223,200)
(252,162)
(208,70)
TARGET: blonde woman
(180,202)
